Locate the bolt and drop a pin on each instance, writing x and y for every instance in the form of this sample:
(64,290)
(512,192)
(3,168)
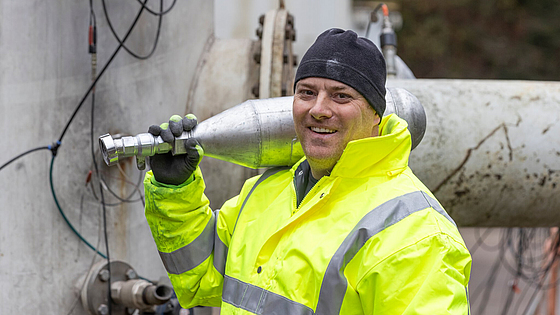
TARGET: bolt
(104,275)
(261,19)
(290,34)
(131,274)
(103,309)
(255,90)
(257,58)
(260,32)
(290,20)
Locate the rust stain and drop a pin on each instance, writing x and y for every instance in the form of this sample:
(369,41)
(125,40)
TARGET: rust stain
(470,150)
(460,193)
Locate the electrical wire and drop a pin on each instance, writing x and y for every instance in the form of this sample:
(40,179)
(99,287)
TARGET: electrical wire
(100,74)
(47,147)
(532,267)
(371,20)
(137,186)
(64,215)
(91,87)
(480,240)
(127,180)
(160,12)
(121,199)
(511,292)
(55,146)
(489,284)
(92,260)
(104,212)
(121,42)
(102,200)
(92,13)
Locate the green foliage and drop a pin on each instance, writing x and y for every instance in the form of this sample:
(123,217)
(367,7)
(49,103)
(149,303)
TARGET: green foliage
(482,39)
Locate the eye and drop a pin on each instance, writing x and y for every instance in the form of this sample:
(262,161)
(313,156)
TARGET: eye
(305,93)
(342,97)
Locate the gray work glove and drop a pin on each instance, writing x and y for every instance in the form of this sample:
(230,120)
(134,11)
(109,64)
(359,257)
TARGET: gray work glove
(170,169)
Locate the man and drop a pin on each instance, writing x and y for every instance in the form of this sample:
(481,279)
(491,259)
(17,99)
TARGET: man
(349,229)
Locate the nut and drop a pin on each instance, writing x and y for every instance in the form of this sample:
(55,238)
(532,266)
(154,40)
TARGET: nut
(104,275)
(131,274)
(103,309)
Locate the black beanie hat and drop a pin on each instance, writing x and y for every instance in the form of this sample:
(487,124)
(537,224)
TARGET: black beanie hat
(355,61)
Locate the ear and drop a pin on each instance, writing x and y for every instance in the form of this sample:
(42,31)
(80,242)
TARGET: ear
(375,128)
(376,119)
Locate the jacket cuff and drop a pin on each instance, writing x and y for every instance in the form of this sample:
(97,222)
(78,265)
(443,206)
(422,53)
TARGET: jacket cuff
(158,184)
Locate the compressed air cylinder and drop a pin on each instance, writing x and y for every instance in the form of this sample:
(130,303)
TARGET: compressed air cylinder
(256,133)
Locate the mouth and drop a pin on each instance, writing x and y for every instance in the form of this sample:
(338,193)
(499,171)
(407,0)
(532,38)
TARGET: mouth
(322,130)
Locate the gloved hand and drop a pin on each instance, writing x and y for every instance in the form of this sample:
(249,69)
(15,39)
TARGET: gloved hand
(170,169)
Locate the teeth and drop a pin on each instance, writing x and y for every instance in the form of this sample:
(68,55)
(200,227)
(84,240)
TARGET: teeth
(322,130)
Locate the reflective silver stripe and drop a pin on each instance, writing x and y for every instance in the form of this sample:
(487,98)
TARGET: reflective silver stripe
(260,301)
(334,283)
(468,302)
(220,249)
(193,254)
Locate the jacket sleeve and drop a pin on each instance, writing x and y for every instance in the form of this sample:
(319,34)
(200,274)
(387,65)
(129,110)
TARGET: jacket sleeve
(428,277)
(192,240)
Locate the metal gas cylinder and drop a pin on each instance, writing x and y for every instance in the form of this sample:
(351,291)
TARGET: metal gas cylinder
(256,133)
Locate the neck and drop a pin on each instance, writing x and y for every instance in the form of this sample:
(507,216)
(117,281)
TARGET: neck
(317,173)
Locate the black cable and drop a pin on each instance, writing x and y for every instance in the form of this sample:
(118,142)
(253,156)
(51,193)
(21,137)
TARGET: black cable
(92,14)
(491,279)
(48,147)
(121,200)
(371,20)
(160,12)
(483,244)
(535,273)
(55,146)
(480,240)
(511,292)
(121,42)
(102,200)
(100,74)
(64,215)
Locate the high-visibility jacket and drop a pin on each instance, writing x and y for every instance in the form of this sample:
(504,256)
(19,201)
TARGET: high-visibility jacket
(369,238)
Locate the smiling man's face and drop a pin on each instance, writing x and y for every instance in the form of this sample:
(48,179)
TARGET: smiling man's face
(327,115)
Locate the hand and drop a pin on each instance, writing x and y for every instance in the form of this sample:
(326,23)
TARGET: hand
(176,169)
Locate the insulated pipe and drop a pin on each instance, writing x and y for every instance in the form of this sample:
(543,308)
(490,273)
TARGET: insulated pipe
(256,133)
(491,152)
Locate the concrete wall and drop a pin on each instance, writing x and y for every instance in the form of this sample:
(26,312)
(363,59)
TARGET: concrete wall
(45,71)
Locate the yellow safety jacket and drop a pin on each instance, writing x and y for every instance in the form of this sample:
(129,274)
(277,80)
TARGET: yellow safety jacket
(369,238)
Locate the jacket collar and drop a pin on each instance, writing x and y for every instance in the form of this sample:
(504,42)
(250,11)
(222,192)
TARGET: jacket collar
(385,155)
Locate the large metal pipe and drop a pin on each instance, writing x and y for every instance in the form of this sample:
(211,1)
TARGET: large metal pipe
(491,152)
(256,133)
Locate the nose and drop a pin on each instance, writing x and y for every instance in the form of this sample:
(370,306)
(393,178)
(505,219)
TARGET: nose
(321,108)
